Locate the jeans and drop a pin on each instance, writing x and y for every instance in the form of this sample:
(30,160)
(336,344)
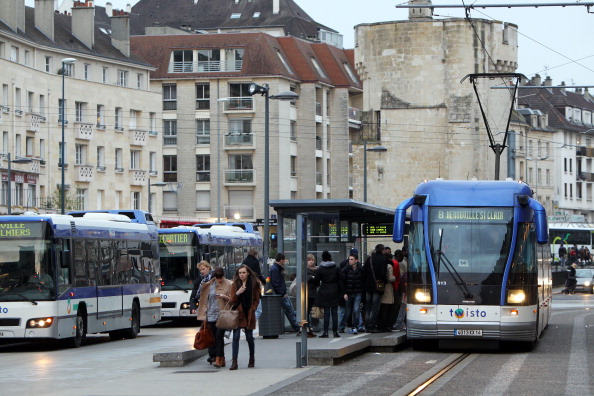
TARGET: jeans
(290,312)
(372,305)
(249,337)
(353,310)
(400,321)
(341,317)
(334,311)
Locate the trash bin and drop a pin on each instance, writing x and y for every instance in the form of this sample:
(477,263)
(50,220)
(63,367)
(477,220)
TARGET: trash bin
(271,323)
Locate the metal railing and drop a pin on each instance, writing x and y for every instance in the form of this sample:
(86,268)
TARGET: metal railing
(205,66)
(239,139)
(239,176)
(239,103)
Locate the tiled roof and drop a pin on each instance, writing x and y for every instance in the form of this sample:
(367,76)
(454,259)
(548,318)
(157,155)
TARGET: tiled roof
(260,56)
(200,15)
(64,40)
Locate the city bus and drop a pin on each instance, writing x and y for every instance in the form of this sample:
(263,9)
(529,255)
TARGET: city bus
(182,248)
(63,277)
(479,264)
(578,234)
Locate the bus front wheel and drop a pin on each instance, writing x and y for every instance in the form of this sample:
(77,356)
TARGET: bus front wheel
(80,331)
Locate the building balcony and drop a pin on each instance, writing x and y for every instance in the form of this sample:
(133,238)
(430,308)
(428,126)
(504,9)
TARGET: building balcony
(243,212)
(239,176)
(585,177)
(84,173)
(33,122)
(138,177)
(239,139)
(205,66)
(138,137)
(239,103)
(84,130)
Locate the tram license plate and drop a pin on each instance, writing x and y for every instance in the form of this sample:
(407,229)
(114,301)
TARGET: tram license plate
(478,333)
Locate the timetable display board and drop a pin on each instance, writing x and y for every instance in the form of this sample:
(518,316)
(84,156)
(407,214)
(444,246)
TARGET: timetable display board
(382,229)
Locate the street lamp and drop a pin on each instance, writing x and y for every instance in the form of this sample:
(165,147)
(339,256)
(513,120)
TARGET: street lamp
(65,61)
(376,149)
(219,148)
(288,95)
(17,160)
(157,184)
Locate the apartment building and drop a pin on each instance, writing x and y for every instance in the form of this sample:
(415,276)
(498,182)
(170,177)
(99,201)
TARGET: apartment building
(213,129)
(63,63)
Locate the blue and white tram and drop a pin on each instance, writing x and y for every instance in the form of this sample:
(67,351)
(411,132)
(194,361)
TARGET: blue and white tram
(479,263)
(182,248)
(66,277)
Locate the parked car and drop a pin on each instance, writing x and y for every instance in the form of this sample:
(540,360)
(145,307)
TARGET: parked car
(585,280)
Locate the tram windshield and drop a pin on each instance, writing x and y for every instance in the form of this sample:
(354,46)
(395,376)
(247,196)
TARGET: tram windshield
(26,271)
(469,248)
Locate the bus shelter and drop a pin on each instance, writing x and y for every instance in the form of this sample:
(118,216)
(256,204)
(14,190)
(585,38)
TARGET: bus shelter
(335,225)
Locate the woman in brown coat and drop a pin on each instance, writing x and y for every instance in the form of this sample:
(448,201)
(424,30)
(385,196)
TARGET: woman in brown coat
(214,295)
(245,296)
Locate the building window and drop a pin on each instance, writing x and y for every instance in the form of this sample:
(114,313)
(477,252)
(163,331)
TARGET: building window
(81,198)
(202,131)
(169,97)
(170,168)
(284,62)
(134,117)
(122,78)
(105,75)
(65,151)
(48,64)
(30,101)
(209,60)
(101,116)
(203,200)
(135,197)
(101,158)
(318,68)
(203,96)
(81,154)
(293,131)
(80,111)
(169,132)
(293,165)
(17,145)
(135,159)
(183,61)
(87,71)
(42,149)
(241,169)
(68,69)
(119,165)
(169,201)
(203,168)
(153,162)
(118,119)
(29,146)
(153,123)
(14,53)
(139,78)
(42,105)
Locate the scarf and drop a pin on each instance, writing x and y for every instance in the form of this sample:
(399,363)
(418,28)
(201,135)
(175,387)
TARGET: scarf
(245,298)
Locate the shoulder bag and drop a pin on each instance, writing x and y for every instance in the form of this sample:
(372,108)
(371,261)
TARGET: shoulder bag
(380,285)
(228,319)
(204,338)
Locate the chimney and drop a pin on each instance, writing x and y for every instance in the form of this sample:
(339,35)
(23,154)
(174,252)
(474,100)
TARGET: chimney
(536,80)
(128,8)
(275,6)
(548,82)
(9,13)
(120,31)
(83,22)
(44,17)
(108,9)
(416,13)
(20,4)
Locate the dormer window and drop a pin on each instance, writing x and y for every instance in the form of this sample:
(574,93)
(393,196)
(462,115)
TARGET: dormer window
(236,15)
(350,73)
(257,14)
(318,68)
(284,62)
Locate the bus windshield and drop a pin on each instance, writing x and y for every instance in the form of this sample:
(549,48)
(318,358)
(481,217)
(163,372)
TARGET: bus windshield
(177,253)
(26,271)
(469,249)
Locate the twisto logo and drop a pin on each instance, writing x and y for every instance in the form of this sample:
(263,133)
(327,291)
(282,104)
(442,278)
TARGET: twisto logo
(469,313)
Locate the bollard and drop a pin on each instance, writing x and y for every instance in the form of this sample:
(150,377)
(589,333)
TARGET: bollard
(298,354)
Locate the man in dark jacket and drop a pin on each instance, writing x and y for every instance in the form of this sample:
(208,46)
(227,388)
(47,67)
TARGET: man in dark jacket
(376,269)
(280,287)
(251,260)
(354,279)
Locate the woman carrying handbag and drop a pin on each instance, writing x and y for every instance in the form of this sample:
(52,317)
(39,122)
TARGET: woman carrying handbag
(214,294)
(245,296)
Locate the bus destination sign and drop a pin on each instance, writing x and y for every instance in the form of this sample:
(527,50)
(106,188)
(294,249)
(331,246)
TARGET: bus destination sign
(21,230)
(174,239)
(494,215)
(382,229)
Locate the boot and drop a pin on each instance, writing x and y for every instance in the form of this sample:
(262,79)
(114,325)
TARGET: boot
(210,359)
(223,361)
(233,364)
(310,334)
(325,335)
(217,362)
(251,362)
(336,335)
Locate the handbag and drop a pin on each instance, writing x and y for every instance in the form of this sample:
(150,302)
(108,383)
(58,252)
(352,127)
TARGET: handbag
(228,319)
(317,312)
(204,337)
(380,285)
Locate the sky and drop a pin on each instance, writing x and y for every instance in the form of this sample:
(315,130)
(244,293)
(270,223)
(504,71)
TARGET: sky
(553,41)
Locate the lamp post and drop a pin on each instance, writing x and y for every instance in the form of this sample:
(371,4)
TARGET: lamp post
(376,149)
(219,148)
(17,160)
(65,61)
(157,184)
(288,95)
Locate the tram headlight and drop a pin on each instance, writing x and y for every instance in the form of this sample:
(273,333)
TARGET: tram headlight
(423,296)
(516,296)
(40,323)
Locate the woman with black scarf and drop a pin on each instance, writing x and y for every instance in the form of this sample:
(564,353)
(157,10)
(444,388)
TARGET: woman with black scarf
(245,296)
